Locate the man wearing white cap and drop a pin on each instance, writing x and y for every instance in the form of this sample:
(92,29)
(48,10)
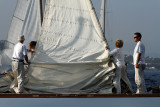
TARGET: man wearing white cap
(19,53)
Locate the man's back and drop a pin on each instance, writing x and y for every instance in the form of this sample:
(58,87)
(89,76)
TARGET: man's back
(19,51)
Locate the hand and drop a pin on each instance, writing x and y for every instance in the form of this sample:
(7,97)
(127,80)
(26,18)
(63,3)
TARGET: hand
(29,63)
(137,66)
(29,50)
(106,47)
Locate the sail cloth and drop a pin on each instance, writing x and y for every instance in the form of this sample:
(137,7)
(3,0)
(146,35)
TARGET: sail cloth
(70,56)
(26,21)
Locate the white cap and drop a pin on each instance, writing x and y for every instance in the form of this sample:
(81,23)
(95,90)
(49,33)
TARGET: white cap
(21,38)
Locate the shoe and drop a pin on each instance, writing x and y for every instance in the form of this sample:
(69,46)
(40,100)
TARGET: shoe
(11,90)
(17,91)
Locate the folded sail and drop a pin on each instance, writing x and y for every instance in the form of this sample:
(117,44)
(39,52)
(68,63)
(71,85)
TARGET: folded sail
(70,56)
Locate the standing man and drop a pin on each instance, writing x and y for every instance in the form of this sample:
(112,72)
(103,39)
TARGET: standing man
(139,63)
(19,53)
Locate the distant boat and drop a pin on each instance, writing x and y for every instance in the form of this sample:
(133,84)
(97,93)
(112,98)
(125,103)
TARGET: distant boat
(70,56)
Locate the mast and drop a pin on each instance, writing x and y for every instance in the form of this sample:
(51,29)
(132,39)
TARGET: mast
(104,18)
(41,10)
(104,25)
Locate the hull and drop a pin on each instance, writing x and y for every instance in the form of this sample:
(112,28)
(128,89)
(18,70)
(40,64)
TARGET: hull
(8,95)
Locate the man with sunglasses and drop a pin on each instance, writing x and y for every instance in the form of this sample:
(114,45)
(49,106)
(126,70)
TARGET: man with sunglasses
(139,63)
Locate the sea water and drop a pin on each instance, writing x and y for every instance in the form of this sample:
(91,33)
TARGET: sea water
(152,78)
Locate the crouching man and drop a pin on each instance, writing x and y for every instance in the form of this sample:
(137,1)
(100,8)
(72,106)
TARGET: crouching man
(19,54)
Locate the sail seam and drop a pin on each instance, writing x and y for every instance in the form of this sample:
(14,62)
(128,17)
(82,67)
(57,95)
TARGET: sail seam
(65,35)
(64,47)
(70,8)
(69,22)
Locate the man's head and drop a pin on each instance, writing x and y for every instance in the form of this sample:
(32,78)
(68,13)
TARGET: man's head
(137,37)
(119,43)
(21,38)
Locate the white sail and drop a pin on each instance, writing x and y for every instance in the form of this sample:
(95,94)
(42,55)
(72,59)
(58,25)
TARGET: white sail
(26,21)
(70,55)
(102,14)
(99,6)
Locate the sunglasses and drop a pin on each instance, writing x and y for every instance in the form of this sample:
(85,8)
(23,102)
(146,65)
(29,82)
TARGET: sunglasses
(135,37)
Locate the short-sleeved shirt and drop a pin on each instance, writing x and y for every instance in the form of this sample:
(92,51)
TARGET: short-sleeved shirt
(118,55)
(19,51)
(140,48)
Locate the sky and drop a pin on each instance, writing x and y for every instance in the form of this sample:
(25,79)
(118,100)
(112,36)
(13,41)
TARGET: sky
(123,19)
(6,13)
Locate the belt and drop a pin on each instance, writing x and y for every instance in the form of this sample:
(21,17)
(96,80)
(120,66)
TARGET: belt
(17,60)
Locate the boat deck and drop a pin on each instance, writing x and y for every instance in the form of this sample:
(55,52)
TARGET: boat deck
(9,95)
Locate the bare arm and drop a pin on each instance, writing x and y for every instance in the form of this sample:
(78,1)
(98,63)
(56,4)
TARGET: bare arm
(26,58)
(138,59)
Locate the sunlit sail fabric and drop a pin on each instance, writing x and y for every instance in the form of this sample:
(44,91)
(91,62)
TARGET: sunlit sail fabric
(70,56)
(26,21)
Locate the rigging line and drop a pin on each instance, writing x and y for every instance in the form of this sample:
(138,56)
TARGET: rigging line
(104,25)
(10,42)
(18,18)
(110,22)
(97,21)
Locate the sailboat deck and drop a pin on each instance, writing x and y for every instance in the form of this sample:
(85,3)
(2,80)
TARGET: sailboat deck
(9,95)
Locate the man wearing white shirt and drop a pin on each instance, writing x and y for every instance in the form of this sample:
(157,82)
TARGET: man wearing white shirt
(139,63)
(19,53)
